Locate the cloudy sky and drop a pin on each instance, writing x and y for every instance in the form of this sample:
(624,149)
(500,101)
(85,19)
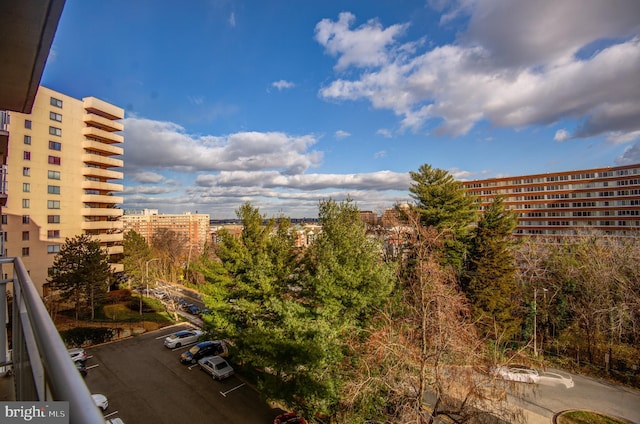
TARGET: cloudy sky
(286,102)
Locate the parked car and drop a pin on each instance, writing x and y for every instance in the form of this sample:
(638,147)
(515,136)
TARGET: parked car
(193,309)
(182,338)
(82,369)
(77,354)
(115,420)
(517,373)
(202,349)
(549,378)
(216,366)
(100,401)
(289,418)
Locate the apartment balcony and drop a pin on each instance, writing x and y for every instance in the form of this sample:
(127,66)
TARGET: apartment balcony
(90,171)
(102,108)
(102,160)
(98,198)
(42,370)
(103,135)
(102,225)
(97,146)
(115,250)
(3,185)
(102,186)
(4,133)
(109,212)
(102,123)
(117,267)
(108,238)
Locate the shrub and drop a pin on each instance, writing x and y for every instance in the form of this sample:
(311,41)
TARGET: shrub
(81,336)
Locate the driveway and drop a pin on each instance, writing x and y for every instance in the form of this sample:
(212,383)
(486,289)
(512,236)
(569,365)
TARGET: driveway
(145,383)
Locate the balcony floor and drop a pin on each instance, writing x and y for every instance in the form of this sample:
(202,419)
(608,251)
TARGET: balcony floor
(7,388)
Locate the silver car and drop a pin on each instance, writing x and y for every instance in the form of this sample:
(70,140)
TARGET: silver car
(182,338)
(216,366)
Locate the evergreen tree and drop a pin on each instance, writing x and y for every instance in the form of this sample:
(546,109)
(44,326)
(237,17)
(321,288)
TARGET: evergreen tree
(81,272)
(137,255)
(490,281)
(443,203)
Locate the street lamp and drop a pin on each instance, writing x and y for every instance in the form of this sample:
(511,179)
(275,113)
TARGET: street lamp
(147,272)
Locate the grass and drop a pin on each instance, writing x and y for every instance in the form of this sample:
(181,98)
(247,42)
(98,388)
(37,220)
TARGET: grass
(587,417)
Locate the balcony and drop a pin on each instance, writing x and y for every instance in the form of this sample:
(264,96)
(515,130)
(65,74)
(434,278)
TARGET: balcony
(98,198)
(102,225)
(42,370)
(3,185)
(102,123)
(102,186)
(110,212)
(115,250)
(108,238)
(98,146)
(102,108)
(90,171)
(102,160)
(105,136)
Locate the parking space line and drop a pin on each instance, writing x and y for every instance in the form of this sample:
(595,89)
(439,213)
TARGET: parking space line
(93,366)
(191,366)
(110,414)
(231,390)
(183,346)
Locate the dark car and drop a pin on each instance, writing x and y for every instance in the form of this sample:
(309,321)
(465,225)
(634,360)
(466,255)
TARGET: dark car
(193,309)
(289,418)
(208,348)
(82,369)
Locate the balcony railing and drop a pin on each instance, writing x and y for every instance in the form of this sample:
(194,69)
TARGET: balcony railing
(41,365)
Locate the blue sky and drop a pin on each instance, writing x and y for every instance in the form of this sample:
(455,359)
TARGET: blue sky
(284,103)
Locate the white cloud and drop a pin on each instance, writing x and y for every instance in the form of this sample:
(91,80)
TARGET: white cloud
(146,177)
(562,135)
(342,134)
(384,132)
(364,46)
(518,64)
(282,85)
(232,19)
(379,155)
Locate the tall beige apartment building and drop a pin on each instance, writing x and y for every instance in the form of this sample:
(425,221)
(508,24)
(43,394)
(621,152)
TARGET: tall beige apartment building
(601,200)
(194,229)
(63,177)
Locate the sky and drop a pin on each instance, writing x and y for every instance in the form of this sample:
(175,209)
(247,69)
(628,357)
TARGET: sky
(285,103)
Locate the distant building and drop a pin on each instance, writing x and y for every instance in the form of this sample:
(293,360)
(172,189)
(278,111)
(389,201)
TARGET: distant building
(193,228)
(369,217)
(603,200)
(63,173)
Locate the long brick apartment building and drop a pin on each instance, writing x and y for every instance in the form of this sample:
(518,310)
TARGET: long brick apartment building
(603,200)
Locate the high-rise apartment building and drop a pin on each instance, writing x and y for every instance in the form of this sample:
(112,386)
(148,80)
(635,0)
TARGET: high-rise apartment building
(63,179)
(194,229)
(602,200)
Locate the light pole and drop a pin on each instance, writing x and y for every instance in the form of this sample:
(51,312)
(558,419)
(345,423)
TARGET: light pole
(146,275)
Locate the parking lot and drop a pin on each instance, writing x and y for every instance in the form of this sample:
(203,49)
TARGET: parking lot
(145,383)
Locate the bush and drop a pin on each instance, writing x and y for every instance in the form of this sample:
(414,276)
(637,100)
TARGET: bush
(80,336)
(118,296)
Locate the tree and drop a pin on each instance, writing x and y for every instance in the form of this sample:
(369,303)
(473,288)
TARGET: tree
(444,204)
(137,254)
(490,279)
(172,249)
(81,272)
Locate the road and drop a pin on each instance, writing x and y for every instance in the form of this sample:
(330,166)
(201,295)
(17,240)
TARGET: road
(145,383)
(544,401)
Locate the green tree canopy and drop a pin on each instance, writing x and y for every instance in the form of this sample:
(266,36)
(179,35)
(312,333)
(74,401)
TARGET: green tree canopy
(444,204)
(81,272)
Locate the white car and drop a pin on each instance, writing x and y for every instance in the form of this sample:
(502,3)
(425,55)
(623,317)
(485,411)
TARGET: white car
(182,338)
(216,366)
(518,374)
(549,378)
(100,401)
(115,420)
(77,354)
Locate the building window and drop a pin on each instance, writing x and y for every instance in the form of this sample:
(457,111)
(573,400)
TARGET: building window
(4,219)
(27,139)
(53,234)
(55,102)
(53,204)
(54,145)
(26,187)
(53,219)
(25,203)
(55,131)
(26,171)
(25,251)
(55,116)
(26,155)
(52,189)
(26,219)
(53,175)
(53,248)
(54,160)
(25,235)
(27,124)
